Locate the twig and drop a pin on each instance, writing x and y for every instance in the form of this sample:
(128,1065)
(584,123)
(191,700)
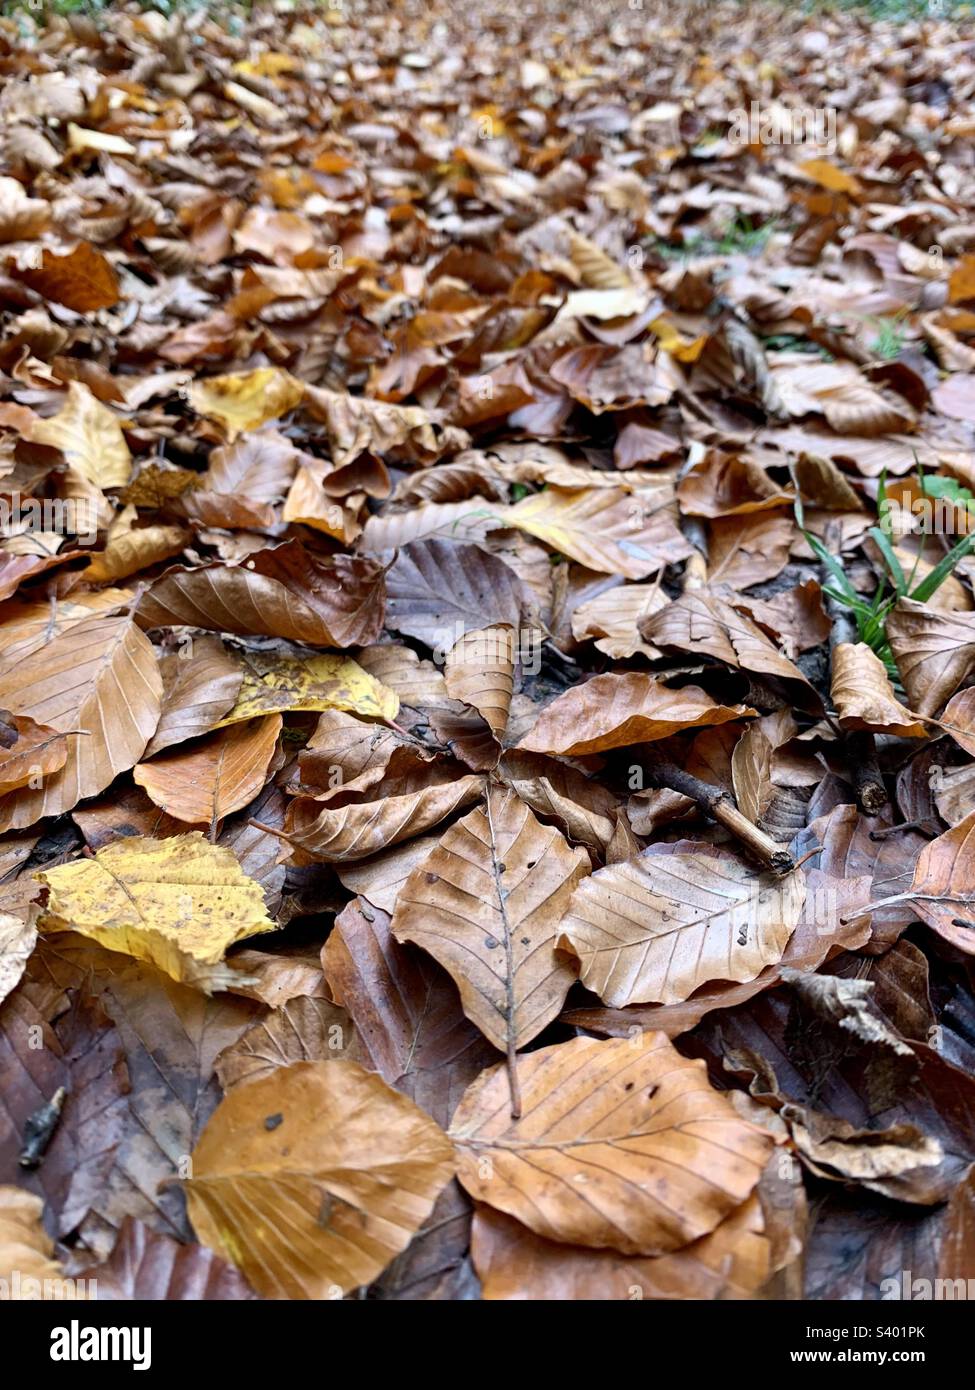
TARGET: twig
(716,802)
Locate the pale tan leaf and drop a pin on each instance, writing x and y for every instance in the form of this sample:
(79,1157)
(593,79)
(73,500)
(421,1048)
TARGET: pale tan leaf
(655,928)
(621,1143)
(97,681)
(863,696)
(612,711)
(486,904)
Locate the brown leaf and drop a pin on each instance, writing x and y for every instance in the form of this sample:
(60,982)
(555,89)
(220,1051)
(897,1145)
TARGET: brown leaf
(82,279)
(219,775)
(313,1178)
(486,904)
(631,1120)
(613,711)
(655,928)
(934,651)
(408,1019)
(28,751)
(200,684)
(863,696)
(353,832)
(98,683)
(286,592)
(943,891)
(148,1267)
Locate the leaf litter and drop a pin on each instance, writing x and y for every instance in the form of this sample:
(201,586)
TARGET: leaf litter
(487,651)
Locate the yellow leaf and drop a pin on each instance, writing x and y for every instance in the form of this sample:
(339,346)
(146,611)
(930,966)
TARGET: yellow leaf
(827,175)
(267,65)
(671,341)
(244,400)
(81,139)
(177,903)
(319,683)
(90,437)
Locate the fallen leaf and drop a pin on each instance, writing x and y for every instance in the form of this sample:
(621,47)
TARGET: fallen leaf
(356,1167)
(177,903)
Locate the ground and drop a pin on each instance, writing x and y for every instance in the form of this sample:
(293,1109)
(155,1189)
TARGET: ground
(487,722)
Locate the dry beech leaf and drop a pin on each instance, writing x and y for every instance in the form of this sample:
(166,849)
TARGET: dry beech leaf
(512,1262)
(28,751)
(313,1178)
(97,681)
(210,780)
(863,696)
(827,925)
(703,622)
(613,711)
(345,755)
(244,400)
(479,670)
(315,683)
(357,425)
(655,928)
(286,592)
(943,891)
(354,832)
(934,652)
(612,619)
(82,279)
(408,1020)
(135,550)
(148,1267)
(305,1029)
(201,683)
(584,809)
(621,1144)
(958,719)
(611,531)
(27,1260)
(17,938)
(439,589)
(487,903)
(90,437)
(176,903)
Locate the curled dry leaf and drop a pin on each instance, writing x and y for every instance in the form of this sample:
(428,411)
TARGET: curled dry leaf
(28,751)
(200,684)
(703,622)
(655,928)
(863,696)
(216,777)
(313,1178)
(356,831)
(934,652)
(613,711)
(487,903)
(304,1029)
(177,903)
(959,719)
(621,1144)
(943,891)
(479,670)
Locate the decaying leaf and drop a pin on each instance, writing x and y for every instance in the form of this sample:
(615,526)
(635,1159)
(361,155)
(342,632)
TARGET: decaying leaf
(312,1179)
(177,903)
(634,1121)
